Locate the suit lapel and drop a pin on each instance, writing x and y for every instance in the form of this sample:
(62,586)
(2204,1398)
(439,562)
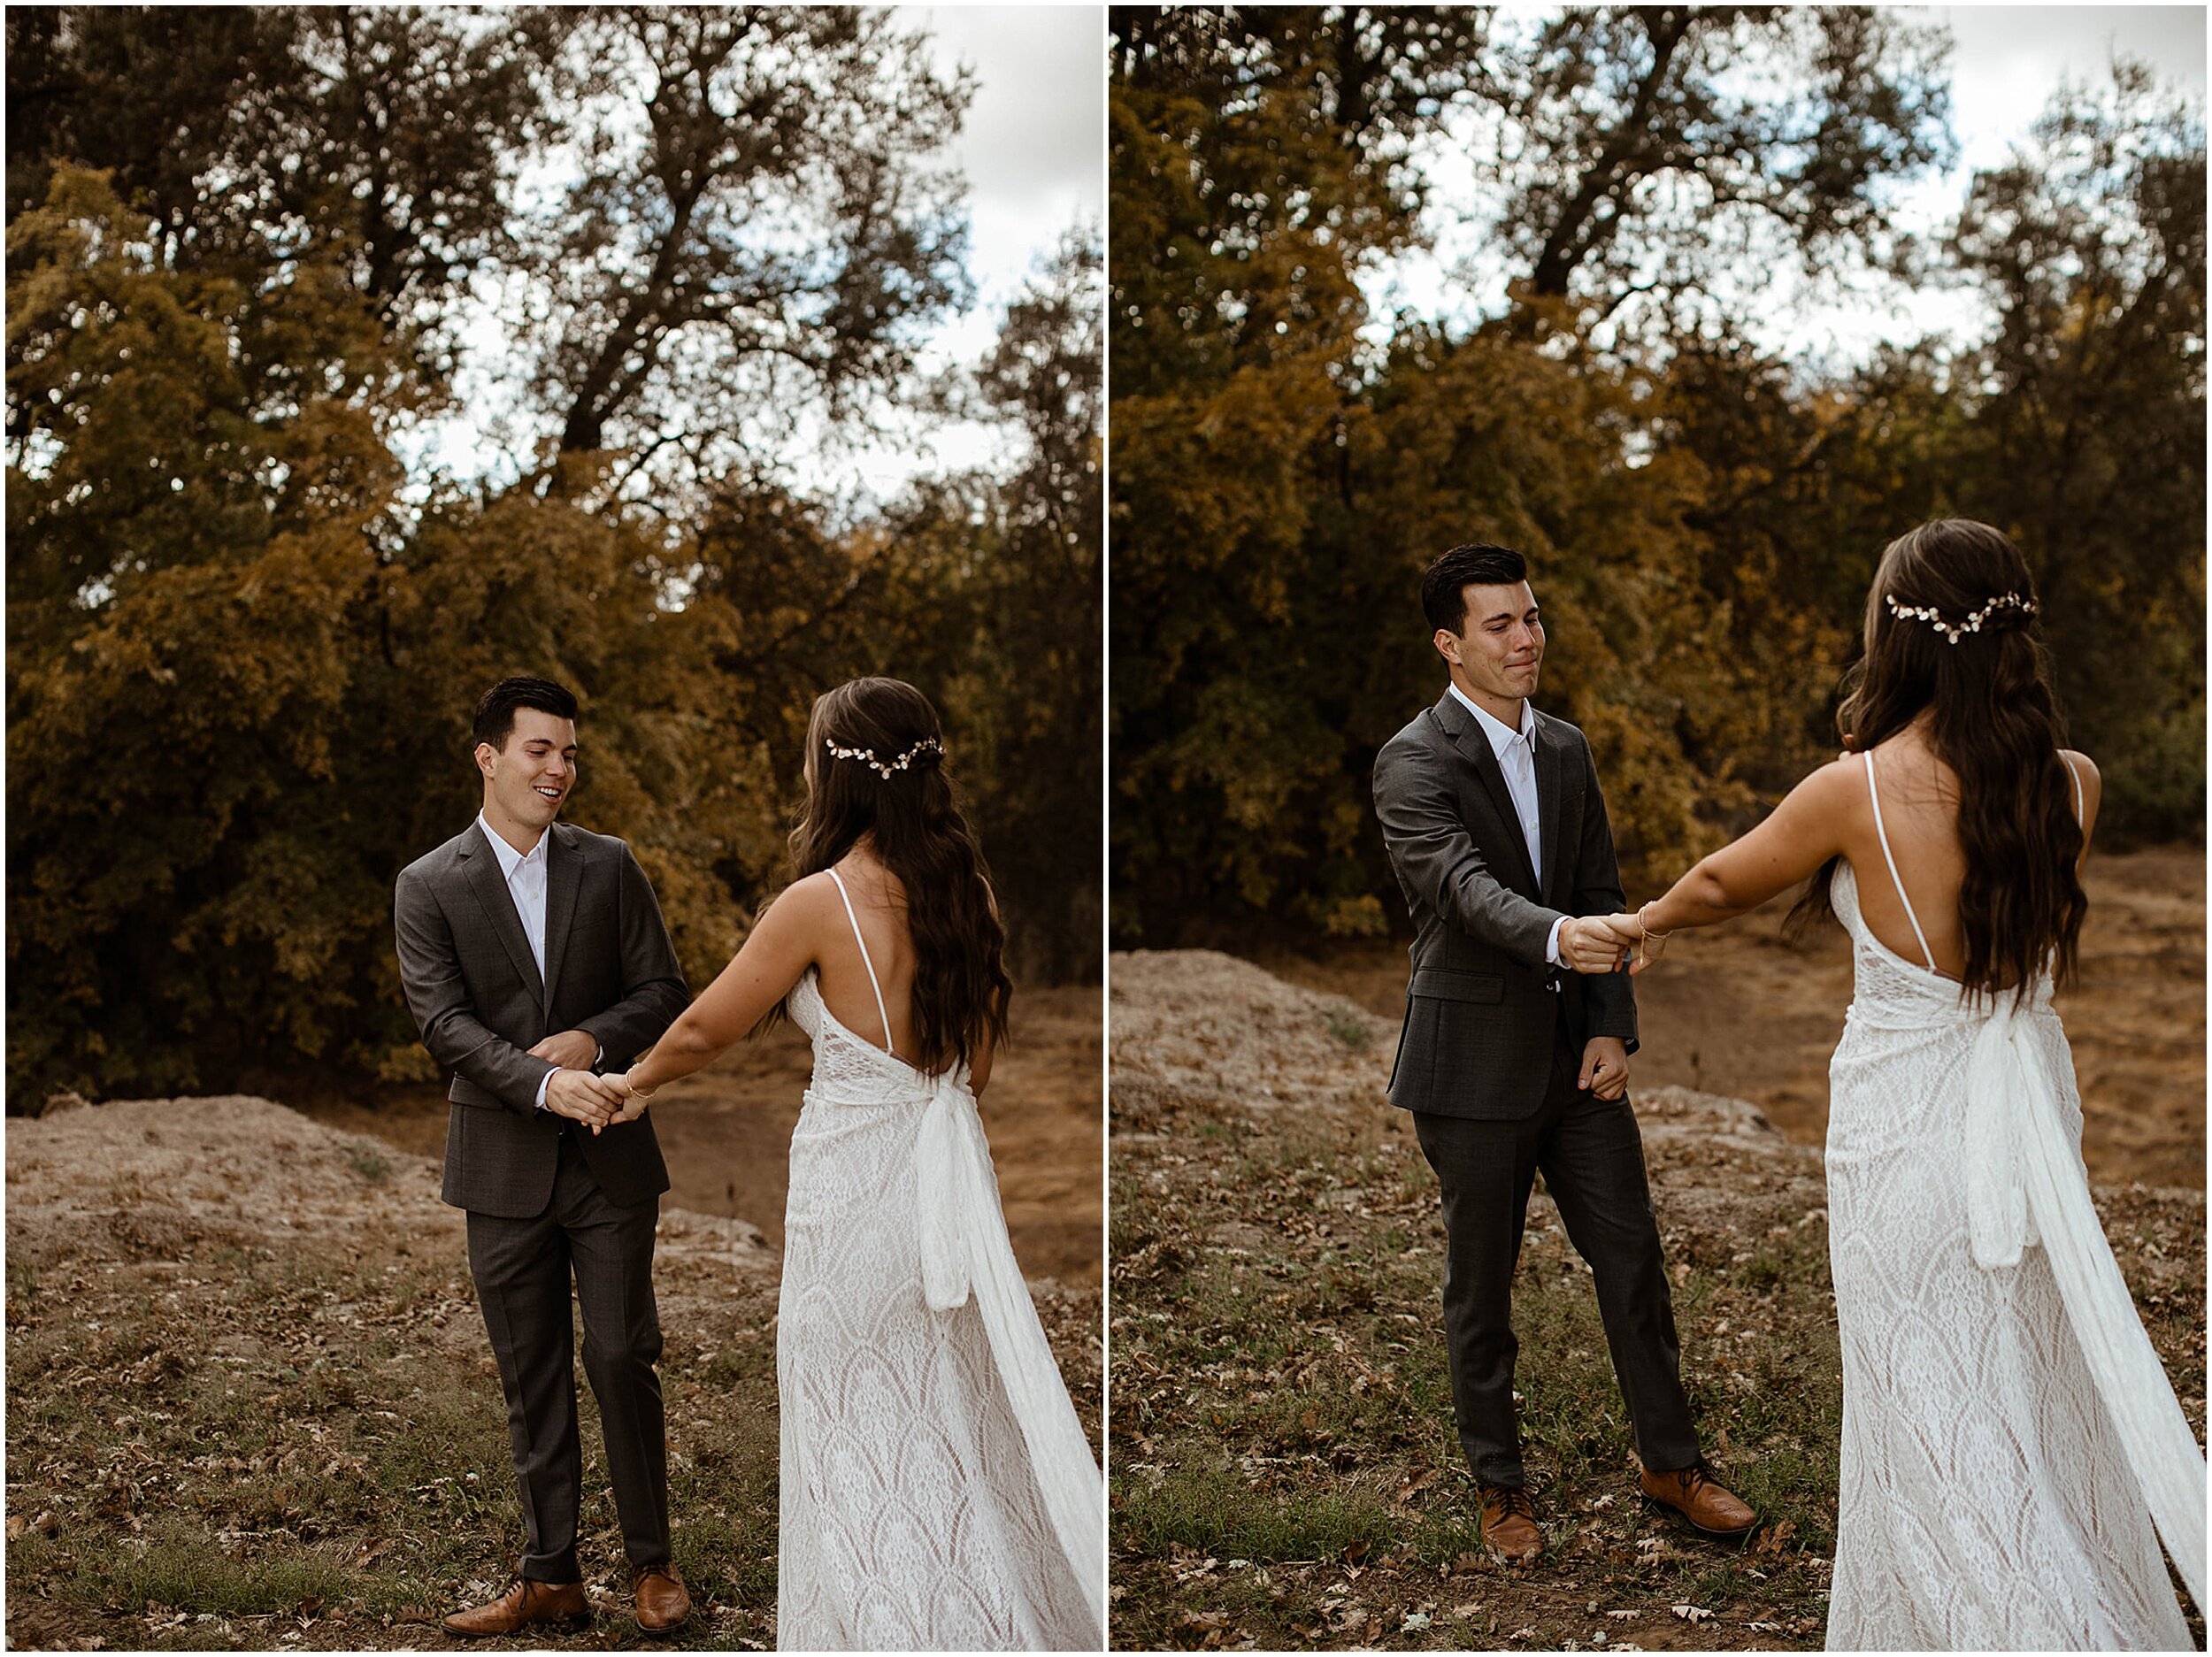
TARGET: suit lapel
(1551,788)
(1474,747)
(563,874)
(490,888)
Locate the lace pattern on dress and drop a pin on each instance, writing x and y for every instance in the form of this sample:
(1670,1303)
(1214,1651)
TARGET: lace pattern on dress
(1988,1499)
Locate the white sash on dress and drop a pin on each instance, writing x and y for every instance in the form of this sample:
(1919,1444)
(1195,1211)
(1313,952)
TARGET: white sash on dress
(2025,1183)
(965,1250)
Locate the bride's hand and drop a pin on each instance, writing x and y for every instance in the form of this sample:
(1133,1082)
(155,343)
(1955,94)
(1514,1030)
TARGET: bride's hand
(1646,947)
(632,1102)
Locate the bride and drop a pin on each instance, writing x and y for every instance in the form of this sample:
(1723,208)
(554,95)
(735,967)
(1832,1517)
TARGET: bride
(937,1490)
(2009,1437)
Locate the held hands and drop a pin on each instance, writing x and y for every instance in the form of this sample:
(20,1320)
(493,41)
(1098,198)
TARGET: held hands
(632,1102)
(1604,1066)
(1590,944)
(1649,945)
(594,1100)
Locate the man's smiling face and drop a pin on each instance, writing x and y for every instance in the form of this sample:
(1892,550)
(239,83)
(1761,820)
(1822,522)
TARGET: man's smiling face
(527,781)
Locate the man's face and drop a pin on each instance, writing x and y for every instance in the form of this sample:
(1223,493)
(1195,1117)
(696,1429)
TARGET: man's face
(529,778)
(1501,645)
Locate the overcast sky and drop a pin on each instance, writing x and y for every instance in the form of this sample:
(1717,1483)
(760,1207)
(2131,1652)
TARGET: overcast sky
(1034,150)
(2005,62)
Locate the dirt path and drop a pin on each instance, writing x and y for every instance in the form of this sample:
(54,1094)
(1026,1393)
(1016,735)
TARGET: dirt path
(726,1132)
(1735,1011)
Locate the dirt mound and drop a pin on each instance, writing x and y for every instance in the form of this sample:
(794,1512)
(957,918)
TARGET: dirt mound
(1201,1027)
(150,1178)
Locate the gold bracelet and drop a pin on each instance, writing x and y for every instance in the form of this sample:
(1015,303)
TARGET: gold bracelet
(1646,924)
(645,1093)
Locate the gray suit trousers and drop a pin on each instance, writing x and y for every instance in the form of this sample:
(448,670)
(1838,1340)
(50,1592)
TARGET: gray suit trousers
(522,1269)
(1592,1158)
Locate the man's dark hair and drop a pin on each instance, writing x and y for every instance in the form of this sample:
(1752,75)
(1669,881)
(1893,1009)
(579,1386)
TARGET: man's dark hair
(1443,589)
(495,707)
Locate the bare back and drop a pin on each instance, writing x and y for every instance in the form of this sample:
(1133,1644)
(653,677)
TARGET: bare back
(877,903)
(1914,805)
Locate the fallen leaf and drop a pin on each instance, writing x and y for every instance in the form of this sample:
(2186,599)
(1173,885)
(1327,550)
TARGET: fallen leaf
(1357,1552)
(1692,1613)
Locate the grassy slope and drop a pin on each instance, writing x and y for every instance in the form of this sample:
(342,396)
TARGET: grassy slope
(1284,1470)
(232,1424)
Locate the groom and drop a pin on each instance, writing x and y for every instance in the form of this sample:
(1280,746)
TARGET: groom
(534,958)
(1511,1063)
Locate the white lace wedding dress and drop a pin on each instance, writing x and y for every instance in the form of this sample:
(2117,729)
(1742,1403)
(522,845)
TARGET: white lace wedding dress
(938,1493)
(2008,1434)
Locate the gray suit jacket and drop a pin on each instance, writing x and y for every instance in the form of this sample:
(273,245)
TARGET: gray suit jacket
(474,986)
(1480,1012)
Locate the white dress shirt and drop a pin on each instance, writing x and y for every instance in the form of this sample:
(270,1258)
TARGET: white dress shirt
(526,884)
(1515,752)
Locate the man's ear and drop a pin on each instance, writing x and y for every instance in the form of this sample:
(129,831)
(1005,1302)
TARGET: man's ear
(484,754)
(1446,643)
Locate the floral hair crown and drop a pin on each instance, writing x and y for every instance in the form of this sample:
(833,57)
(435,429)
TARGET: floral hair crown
(1954,631)
(884,768)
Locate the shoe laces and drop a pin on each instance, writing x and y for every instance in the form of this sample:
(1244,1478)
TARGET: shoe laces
(1512,1501)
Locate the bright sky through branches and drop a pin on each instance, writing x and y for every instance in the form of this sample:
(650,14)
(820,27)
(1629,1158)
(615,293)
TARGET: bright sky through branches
(1031,151)
(2005,63)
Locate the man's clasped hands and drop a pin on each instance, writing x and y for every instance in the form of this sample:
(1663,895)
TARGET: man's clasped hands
(575,1091)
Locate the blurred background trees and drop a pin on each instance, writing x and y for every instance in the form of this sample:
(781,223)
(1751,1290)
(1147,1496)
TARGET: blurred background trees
(245,631)
(1703,513)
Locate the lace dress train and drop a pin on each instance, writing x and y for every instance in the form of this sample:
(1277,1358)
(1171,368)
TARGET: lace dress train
(2008,1433)
(938,1493)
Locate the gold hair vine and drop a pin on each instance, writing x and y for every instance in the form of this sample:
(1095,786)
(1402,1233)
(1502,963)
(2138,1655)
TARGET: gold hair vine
(928,745)
(1954,630)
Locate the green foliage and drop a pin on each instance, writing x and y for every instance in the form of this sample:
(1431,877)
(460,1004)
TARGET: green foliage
(1703,517)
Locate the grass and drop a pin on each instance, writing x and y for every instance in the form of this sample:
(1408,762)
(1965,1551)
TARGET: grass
(219,1442)
(1286,1471)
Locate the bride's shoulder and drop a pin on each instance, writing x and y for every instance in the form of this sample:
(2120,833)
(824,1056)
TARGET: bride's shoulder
(2082,766)
(805,905)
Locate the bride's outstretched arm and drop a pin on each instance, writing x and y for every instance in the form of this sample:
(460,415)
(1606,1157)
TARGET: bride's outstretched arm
(780,948)
(1804,831)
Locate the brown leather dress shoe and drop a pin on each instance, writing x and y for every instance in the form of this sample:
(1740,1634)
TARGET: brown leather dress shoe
(662,1602)
(521,1606)
(1709,1510)
(1509,1523)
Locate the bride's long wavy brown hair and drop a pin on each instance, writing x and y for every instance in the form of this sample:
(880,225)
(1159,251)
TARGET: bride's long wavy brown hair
(1996,724)
(914,827)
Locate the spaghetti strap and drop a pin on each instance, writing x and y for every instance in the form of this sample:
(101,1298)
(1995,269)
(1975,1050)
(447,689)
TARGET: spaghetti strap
(1882,834)
(865,962)
(2079,808)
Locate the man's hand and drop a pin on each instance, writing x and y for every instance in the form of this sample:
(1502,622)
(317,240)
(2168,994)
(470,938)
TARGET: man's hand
(1588,944)
(582,1097)
(571,1050)
(1604,1066)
